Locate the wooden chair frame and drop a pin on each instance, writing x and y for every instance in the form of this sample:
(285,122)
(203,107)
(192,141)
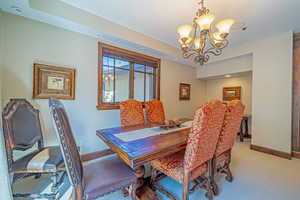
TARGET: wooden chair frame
(72,159)
(201,182)
(36,138)
(211,113)
(223,168)
(223,153)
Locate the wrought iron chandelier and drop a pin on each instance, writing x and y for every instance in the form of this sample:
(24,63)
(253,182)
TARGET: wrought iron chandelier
(204,41)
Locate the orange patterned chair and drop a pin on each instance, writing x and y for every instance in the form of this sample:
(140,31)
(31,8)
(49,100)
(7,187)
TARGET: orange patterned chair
(192,164)
(222,158)
(131,113)
(154,111)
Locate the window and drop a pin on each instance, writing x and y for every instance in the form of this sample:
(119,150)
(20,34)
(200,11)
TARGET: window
(126,75)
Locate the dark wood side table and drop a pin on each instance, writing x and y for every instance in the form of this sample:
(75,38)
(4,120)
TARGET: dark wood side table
(245,134)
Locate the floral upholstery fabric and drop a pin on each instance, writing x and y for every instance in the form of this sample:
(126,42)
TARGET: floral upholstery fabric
(154,111)
(201,144)
(131,113)
(202,140)
(232,121)
(172,166)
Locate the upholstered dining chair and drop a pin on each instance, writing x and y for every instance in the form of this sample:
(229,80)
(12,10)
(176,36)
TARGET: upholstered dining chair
(22,132)
(192,163)
(131,113)
(154,111)
(97,178)
(222,158)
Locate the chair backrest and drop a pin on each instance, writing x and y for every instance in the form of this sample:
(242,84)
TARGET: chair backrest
(67,143)
(131,113)
(21,127)
(232,121)
(202,140)
(154,111)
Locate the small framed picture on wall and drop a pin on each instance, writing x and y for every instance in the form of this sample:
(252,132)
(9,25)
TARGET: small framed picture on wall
(53,82)
(184,91)
(231,93)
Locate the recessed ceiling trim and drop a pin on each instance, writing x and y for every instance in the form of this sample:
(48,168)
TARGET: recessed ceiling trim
(38,15)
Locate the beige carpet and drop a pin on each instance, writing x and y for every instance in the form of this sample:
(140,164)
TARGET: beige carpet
(258,176)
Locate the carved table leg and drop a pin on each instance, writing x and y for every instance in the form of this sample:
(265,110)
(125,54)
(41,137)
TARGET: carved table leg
(139,172)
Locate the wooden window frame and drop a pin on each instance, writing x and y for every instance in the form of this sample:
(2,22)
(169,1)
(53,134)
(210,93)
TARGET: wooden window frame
(132,57)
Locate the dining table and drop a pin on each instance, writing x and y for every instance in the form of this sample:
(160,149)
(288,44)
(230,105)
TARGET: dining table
(139,145)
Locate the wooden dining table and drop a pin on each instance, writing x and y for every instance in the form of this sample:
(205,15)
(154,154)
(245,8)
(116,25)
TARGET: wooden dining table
(136,153)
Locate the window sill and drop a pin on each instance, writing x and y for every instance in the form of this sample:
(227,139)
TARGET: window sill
(112,106)
(108,107)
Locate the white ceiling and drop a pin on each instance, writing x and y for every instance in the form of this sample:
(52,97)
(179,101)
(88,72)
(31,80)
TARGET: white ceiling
(160,18)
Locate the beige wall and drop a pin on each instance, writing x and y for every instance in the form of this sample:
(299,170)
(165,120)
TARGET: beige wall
(5,192)
(61,10)
(271,88)
(173,74)
(30,41)
(272,92)
(236,65)
(214,89)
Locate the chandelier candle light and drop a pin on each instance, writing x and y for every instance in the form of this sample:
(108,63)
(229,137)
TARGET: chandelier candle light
(204,41)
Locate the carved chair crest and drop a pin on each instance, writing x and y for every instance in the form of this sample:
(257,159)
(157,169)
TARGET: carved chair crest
(21,127)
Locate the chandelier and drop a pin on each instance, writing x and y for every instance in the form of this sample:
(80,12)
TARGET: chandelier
(199,40)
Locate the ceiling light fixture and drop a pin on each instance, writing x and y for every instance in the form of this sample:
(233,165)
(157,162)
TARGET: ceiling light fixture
(204,41)
(227,76)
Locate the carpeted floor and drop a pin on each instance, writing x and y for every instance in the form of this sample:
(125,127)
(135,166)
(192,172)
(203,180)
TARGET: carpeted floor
(258,176)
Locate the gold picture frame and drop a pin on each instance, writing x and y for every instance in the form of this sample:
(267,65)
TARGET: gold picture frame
(184,91)
(231,93)
(53,82)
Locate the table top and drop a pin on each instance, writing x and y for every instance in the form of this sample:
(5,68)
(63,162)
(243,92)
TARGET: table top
(138,152)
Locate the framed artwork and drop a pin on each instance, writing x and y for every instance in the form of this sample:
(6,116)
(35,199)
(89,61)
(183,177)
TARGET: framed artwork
(53,82)
(231,93)
(184,91)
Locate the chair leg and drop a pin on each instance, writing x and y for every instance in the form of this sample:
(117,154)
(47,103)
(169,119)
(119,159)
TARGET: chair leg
(54,178)
(229,176)
(78,193)
(125,191)
(154,173)
(209,192)
(215,188)
(228,173)
(133,192)
(226,170)
(212,170)
(155,186)
(186,184)
(185,193)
